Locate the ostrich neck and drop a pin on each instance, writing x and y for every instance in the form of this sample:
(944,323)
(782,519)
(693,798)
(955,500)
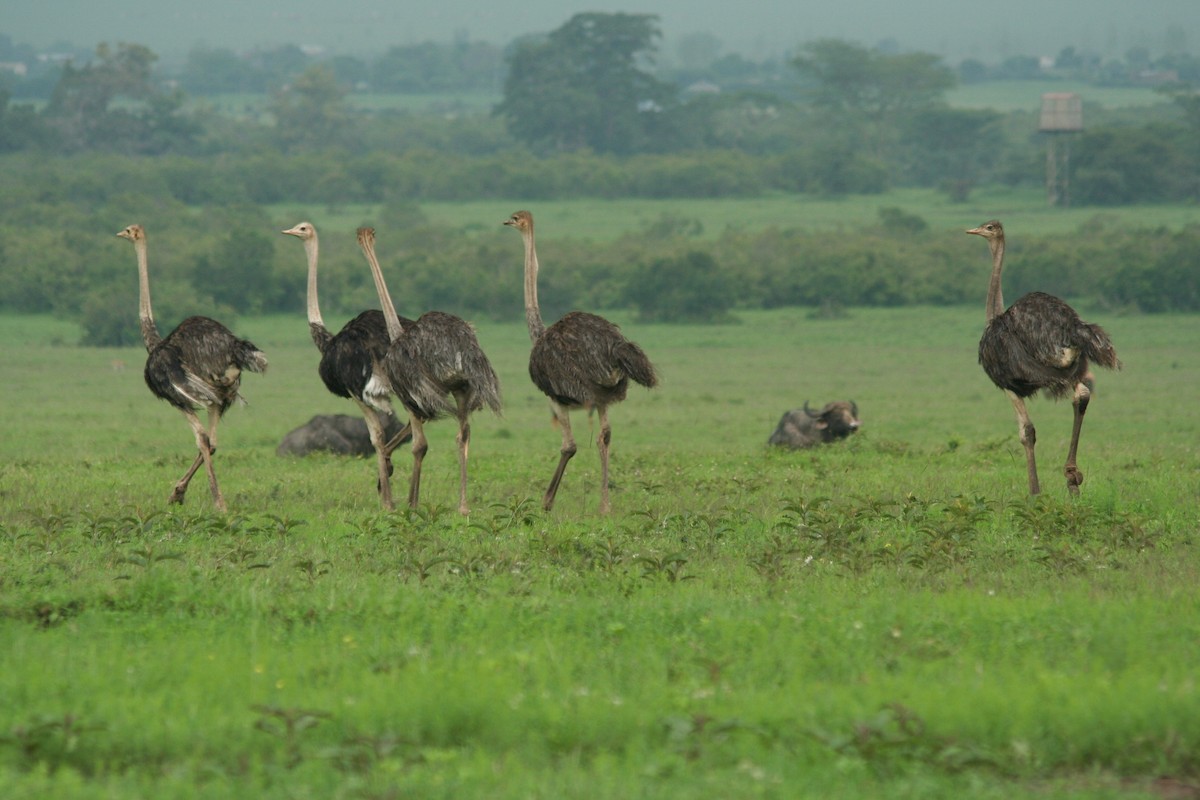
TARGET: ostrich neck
(395,329)
(149,330)
(995,298)
(315,323)
(533,315)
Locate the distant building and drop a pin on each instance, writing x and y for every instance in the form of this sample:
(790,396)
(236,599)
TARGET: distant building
(1061,118)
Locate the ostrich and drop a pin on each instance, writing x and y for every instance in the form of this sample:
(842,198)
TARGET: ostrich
(350,363)
(198,365)
(581,361)
(1039,343)
(428,362)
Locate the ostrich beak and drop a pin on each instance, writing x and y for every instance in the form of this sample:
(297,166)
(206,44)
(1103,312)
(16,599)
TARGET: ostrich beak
(976,231)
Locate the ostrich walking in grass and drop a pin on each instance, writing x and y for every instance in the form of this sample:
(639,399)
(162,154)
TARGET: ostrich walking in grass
(1039,343)
(351,363)
(581,361)
(198,365)
(429,362)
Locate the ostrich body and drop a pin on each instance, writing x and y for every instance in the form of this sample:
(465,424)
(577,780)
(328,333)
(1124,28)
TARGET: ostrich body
(198,365)
(351,361)
(435,367)
(1039,342)
(581,361)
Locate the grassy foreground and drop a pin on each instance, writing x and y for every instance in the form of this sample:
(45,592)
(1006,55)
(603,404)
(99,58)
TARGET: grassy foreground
(887,617)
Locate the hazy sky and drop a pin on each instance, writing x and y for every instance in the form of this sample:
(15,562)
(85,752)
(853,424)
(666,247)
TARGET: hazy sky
(988,30)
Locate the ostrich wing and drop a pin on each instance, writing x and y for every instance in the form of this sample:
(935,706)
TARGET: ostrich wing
(583,358)
(349,359)
(1038,343)
(451,359)
(200,363)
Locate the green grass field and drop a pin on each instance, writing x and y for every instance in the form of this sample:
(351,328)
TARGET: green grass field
(889,616)
(1023,211)
(1005,96)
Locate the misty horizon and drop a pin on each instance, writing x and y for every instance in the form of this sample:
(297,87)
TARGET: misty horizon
(754,29)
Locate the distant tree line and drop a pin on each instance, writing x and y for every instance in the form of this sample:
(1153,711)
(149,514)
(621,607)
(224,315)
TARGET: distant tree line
(56,257)
(581,116)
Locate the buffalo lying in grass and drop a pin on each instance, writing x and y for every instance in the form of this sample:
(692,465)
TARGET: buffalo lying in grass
(334,433)
(804,427)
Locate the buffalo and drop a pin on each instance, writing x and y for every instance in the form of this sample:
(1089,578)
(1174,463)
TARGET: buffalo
(802,428)
(340,434)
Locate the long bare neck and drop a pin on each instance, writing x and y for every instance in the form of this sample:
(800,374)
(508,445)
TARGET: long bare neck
(995,297)
(533,314)
(150,333)
(316,325)
(395,329)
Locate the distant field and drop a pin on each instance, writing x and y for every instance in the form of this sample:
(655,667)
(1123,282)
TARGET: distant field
(1027,95)
(1023,211)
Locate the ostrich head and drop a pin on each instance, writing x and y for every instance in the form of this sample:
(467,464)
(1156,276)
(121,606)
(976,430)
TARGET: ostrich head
(133,233)
(992,231)
(366,237)
(304,231)
(522,221)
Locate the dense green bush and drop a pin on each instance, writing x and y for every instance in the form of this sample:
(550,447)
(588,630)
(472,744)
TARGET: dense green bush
(687,288)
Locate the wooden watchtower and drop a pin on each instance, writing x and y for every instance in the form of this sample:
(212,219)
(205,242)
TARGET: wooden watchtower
(1062,117)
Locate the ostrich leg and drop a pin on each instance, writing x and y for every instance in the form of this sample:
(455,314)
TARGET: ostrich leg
(214,418)
(182,484)
(567,451)
(602,443)
(395,441)
(420,446)
(1028,436)
(464,441)
(382,453)
(206,444)
(1074,476)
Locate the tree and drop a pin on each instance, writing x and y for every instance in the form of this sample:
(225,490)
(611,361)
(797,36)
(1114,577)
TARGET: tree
(852,78)
(874,90)
(584,86)
(20,127)
(240,273)
(685,288)
(311,111)
(1120,165)
(213,71)
(79,108)
(951,148)
(83,114)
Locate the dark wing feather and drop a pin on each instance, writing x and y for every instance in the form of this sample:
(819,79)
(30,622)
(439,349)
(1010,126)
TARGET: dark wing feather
(200,364)
(349,358)
(583,360)
(438,356)
(1041,343)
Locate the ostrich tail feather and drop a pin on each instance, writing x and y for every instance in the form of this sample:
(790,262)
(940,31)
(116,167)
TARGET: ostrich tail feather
(1100,348)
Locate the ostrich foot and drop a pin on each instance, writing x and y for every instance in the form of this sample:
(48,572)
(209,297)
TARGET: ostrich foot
(1074,478)
(177,494)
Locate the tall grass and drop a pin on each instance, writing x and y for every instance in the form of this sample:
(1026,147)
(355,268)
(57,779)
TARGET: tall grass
(887,616)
